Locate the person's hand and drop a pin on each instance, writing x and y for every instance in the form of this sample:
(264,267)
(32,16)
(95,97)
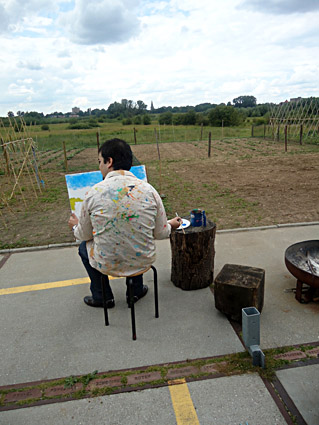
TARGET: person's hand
(175,222)
(73,220)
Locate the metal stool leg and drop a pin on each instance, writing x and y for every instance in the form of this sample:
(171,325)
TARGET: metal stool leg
(106,316)
(155,291)
(131,301)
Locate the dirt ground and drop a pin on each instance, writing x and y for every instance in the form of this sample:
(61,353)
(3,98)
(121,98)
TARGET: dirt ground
(245,183)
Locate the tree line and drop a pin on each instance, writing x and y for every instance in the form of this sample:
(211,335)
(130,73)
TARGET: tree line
(129,112)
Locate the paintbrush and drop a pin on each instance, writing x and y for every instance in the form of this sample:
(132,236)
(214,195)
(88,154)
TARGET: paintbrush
(181,222)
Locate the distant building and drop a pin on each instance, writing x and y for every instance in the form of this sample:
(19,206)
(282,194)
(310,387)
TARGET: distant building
(75,110)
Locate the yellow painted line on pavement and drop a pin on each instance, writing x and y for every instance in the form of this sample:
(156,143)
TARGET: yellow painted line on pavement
(182,403)
(49,285)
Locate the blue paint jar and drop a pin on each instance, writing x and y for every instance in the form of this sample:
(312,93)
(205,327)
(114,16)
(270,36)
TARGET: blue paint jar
(198,218)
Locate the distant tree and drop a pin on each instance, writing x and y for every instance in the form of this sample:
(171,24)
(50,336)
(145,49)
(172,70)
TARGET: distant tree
(146,119)
(34,115)
(227,115)
(115,110)
(128,106)
(152,106)
(202,107)
(178,119)
(20,113)
(141,107)
(137,119)
(127,121)
(163,109)
(10,114)
(165,118)
(202,119)
(190,118)
(245,102)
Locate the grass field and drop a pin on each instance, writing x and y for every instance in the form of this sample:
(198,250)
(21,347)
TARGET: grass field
(59,133)
(246,181)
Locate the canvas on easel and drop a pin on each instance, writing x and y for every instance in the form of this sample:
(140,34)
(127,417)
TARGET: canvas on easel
(78,184)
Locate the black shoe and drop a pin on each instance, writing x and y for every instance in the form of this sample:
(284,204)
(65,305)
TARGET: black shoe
(94,303)
(138,297)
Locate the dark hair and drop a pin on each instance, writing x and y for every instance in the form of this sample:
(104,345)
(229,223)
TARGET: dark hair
(119,151)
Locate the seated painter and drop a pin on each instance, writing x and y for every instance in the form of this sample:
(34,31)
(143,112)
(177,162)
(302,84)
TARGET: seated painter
(120,218)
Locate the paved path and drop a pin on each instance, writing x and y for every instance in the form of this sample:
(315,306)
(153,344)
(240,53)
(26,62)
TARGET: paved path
(47,333)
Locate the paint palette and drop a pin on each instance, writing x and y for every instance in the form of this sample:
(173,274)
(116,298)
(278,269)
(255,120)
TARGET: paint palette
(184,225)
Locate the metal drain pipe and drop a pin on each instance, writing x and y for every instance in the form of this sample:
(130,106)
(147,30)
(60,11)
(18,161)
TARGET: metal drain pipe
(251,334)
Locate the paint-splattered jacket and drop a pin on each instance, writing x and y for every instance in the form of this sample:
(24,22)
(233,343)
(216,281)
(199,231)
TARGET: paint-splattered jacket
(120,218)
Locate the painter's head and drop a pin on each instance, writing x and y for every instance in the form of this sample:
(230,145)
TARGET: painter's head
(120,153)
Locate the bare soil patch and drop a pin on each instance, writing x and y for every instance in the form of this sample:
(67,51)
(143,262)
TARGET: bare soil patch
(245,183)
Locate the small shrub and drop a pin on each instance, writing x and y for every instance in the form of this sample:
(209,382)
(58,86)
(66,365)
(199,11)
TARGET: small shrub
(138,120)
(45,127)
(127,121)
(146,119)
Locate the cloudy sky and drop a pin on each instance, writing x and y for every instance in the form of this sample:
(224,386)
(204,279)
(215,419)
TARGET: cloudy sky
(55,55)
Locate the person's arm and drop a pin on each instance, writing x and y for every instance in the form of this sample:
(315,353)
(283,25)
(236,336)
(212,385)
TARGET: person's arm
(82,226)
(162,226)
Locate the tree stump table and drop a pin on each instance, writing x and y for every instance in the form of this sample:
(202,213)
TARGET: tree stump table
(237,287)
(193,255)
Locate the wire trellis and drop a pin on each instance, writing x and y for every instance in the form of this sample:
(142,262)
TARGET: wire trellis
(20,173)
(300,116)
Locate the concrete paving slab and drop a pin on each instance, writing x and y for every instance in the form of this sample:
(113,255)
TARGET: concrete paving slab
(136,408)
(234,400)
(302,386)
(224,401)
(52,333)
(48,265)
(284,321)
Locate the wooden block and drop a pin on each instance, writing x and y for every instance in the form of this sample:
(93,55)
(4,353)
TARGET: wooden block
(237,287)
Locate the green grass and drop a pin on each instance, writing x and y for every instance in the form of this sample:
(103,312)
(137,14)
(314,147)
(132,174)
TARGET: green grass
(59,133)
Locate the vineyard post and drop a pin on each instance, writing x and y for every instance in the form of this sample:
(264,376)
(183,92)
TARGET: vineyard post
(98,140)
(252,130)
(300,135)
(134,135)
(209,143)
(173,131)
(5,154)
(201,132)
(264,131)
(160,164)
(286,138)
(222,129)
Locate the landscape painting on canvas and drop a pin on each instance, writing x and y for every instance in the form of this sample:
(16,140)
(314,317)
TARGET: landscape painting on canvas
(78,184)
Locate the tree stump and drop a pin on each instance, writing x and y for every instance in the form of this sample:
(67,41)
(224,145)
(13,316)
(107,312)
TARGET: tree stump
(237,287)
(193,255)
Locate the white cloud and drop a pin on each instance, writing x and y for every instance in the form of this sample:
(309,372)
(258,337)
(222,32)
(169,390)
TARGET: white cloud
(13,13)
(17,90)
(284,7)
(64,54)
(81,102)
(32,66)
(101,21)
(174,52)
